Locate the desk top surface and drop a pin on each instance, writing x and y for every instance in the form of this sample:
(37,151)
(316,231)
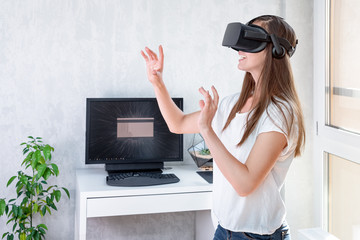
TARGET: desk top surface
(91,182)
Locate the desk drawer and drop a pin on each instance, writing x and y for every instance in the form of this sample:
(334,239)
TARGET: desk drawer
(147,204)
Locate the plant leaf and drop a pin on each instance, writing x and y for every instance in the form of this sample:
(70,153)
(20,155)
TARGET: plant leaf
(19,194)
(15,210)
(24,179)
(23,236)
(43,211)
(33,158)
(42,232)
(25,151)
(47,173)
(24,201)
(41,169)
(10,181)
(6,209)
(19,187)
(53,206)
(47,152)
(28,194)
(9,221)
(15,225)
(20,212)
(37,189)
(48,209)
(57,195)
(28,158)
(38,155)
(22,226)
(2,206)
(4,235)
(41,188)
(30,155)
(42,226)
(34,162)
(67,192)
(10,237)
(55,168)
(35,208)
(37,235)
(42,160)
(48,201)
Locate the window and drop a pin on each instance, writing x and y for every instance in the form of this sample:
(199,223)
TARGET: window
(344,81)
(343,197)
(337,117)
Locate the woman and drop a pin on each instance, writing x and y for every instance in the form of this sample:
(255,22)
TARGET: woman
(253,136)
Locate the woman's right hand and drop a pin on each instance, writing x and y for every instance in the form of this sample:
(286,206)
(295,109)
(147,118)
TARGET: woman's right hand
(154,65)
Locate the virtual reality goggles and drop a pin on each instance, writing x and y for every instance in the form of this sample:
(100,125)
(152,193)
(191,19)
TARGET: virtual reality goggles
(252,38)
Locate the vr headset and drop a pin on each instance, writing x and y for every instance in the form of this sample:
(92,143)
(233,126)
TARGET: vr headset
(252,38)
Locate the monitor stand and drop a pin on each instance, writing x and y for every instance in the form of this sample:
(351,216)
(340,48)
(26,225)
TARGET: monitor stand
(132,167)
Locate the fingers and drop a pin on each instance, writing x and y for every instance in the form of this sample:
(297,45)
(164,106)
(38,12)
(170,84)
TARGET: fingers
(161,55)
(144,56)
(207,98)
(201,104)
(151,54)
(152,59)
(203,91)
(216,95)
(207,95)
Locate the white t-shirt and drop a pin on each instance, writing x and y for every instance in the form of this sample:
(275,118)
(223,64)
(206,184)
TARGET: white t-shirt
(263,211)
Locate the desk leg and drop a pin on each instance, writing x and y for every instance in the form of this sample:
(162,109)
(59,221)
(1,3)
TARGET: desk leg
(80,217)
(204,226)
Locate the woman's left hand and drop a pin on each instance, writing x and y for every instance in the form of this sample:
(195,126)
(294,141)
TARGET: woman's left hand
(208,108)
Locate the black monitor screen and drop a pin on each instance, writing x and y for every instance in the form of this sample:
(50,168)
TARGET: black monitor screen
(129,130)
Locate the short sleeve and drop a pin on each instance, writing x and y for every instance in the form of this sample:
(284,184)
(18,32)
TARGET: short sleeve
(279,120)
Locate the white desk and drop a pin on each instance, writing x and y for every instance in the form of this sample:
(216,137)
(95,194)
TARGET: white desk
(96,199)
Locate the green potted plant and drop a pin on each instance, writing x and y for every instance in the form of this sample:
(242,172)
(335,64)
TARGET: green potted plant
(34,196)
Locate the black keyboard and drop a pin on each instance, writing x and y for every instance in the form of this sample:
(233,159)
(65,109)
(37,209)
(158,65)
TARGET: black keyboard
(135,179)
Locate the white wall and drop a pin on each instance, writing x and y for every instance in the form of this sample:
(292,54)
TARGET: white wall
(54,54)
(299,184)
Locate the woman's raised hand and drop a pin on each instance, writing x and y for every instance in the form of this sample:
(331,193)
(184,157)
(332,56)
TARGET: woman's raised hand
(208,108)
(154,65)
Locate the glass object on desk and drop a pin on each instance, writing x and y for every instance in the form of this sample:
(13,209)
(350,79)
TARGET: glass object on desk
(200,153)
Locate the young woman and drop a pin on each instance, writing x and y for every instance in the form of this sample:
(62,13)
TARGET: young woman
(253,136)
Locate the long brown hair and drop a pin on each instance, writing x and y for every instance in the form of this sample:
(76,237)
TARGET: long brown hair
(276,85)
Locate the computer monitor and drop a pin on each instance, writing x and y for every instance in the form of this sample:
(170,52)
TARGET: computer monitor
(130,134)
